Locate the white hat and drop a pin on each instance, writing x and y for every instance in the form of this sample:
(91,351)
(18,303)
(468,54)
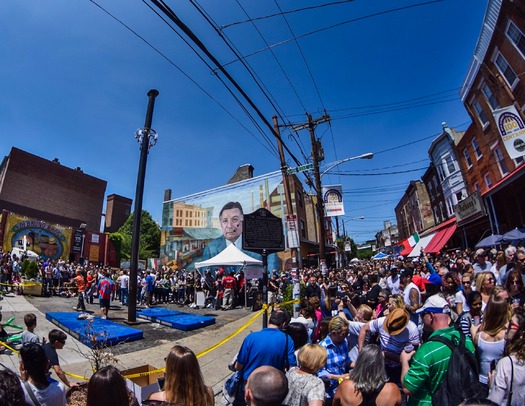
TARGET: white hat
(435,304)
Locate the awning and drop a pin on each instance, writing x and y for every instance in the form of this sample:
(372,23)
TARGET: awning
(440,239)
(422,243)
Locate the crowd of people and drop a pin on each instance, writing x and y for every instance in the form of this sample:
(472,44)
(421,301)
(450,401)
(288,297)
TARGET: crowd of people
(373,333)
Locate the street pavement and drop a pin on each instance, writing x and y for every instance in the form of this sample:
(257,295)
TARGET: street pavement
(151,350)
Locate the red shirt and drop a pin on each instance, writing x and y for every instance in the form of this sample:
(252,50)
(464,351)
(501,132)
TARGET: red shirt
(229,282)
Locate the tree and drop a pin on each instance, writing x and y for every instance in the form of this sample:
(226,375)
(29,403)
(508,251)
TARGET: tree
(149,242)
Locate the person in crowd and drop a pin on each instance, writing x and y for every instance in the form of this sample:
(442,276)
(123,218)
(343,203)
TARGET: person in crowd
(484,283)
(266,386)
(123,281)
(304,387)
(472,318)
(508,380)
(299,335)
(229,282)
(422,376)
(306,317)
(270,347)
(323,328)
(313,288)
(514,286)
(338,359)
(368,382)
(91,286)
(395,331)
(411,294)
(499,262)
(329,301)
(481,264)
(490,337)
(28,335)
(452,293)
(106,291)
(11,392)
(38,389)
(382,305)
(510,263)
(315,302)
(57,340)
(392,282)
(107,387)
(363,315)
(184,383)
(149,285)
(372,295)
(466,288)
(80,282)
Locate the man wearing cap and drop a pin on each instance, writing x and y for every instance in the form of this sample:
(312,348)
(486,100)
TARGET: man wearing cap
(481,265)
(429,363)
(395,331)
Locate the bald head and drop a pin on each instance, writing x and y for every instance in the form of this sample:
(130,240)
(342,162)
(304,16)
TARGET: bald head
(266,386)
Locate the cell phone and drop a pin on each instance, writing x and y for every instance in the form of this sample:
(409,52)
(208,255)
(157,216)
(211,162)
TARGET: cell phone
(492,365)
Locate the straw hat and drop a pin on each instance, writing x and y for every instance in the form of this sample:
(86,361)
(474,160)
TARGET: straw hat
(396,321)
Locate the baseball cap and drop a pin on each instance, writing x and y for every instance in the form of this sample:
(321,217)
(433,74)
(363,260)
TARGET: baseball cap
(435,304)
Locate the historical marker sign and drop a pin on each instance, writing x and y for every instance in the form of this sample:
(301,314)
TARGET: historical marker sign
(262,231)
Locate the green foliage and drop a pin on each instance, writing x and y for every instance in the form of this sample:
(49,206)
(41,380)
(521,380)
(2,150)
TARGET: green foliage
(365,254)
(149,242)
(25,266)
(117,240)
(287,296)
(32,270)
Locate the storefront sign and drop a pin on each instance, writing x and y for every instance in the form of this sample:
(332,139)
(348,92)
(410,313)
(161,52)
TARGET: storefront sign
(512,130)
(469,209)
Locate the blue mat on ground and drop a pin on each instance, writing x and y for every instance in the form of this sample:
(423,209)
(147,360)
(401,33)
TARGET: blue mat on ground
(99,332)
(176,319)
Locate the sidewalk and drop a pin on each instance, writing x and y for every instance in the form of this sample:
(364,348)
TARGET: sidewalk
(214,365)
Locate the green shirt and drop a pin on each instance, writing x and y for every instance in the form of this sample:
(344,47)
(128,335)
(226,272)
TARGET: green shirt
(429,366)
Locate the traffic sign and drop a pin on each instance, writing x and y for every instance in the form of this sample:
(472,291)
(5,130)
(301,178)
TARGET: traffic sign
(302,168)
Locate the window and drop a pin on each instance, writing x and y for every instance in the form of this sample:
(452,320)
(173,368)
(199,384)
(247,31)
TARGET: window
(477,150)
(502,165)
(299,198)
(459,196)
(303,228)
(451,168)
(430,190)
(436,186)
(490,97)
(441,172)
(467,158)
(506,70)
(476,187)
(516,37)
(442,208)
(519,160)
(481,114)
(488,181)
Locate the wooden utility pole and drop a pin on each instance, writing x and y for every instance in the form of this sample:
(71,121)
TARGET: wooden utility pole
(286,184)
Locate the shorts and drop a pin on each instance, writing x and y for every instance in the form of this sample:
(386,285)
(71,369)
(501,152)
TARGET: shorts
(104,303)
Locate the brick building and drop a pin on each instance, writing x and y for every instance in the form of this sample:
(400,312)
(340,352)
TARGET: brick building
(494,81)
(414,212)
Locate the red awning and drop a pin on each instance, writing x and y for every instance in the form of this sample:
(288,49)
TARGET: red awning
(440,239)
(406,248)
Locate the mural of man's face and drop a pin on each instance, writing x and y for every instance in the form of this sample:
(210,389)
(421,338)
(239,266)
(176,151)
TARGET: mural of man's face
(231,224)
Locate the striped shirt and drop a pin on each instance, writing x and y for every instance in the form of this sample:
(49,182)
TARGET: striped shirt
(429,366)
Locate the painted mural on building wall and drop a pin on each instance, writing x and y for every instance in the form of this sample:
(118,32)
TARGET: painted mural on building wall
(50,241)
(199,226)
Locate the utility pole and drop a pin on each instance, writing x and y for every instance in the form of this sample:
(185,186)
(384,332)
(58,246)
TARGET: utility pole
(317,156)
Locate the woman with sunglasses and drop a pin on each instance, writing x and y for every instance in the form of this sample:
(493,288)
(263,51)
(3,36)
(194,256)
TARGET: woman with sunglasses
(514,286)
(509,378)
(484,283)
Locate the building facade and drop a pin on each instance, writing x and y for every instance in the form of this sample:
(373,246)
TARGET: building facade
(414,212)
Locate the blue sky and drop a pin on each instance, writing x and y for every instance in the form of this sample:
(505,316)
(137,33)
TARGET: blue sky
(75,80)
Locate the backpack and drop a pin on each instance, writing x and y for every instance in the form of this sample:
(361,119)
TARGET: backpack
(461,381)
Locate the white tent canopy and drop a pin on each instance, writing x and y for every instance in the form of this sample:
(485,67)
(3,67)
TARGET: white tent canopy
(422,243)
(230,256)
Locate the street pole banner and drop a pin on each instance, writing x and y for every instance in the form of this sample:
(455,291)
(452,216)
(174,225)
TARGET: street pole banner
(512,130)
(333,200)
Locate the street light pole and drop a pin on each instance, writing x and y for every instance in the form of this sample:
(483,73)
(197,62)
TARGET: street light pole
(368,155)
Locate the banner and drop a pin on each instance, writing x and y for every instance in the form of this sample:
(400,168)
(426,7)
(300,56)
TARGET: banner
(333,200)
(48,241)
(512,130)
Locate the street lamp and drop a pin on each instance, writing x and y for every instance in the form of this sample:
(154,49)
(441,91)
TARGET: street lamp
(368,155)
(320,205)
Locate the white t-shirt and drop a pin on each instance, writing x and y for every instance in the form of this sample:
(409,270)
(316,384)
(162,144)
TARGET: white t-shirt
(53,395)
(124,281)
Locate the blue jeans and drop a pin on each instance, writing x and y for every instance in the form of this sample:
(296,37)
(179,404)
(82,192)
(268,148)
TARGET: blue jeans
(124,293)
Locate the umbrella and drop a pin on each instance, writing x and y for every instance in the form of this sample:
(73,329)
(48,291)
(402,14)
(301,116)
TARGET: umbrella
(512,235)
(489,241)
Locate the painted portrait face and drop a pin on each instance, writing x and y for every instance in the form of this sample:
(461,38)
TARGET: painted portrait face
(231,224)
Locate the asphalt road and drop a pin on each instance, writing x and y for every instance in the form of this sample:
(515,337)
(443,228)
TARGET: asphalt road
(154,333)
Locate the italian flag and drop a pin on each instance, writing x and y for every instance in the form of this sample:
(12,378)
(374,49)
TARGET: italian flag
(413,239)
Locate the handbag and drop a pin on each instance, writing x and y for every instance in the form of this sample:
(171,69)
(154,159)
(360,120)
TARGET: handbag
(230,388)
(509,401)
